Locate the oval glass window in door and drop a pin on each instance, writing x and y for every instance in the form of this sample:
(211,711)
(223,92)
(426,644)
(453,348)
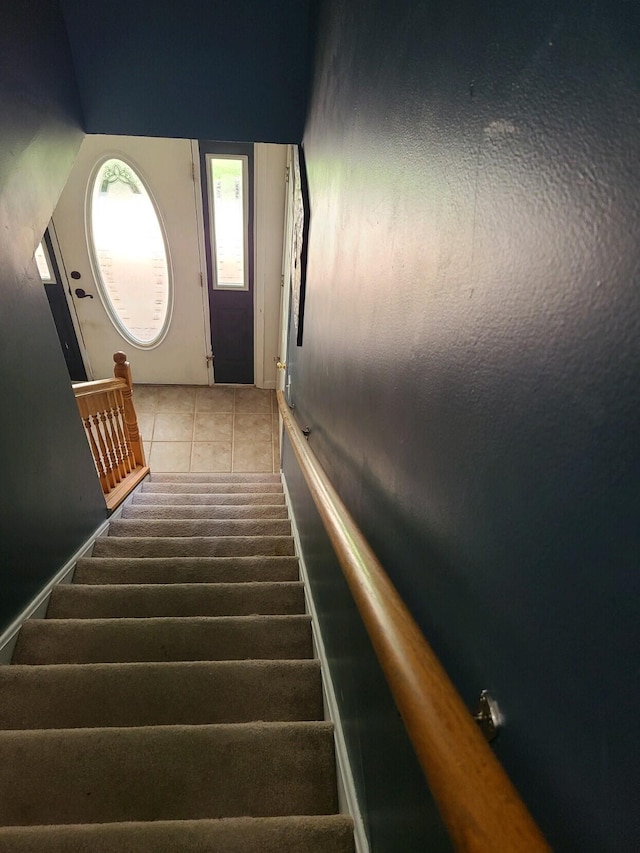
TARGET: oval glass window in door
(129,253)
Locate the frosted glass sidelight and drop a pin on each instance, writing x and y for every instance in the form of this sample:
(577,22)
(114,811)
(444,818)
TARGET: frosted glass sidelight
(129,253)
(227,192)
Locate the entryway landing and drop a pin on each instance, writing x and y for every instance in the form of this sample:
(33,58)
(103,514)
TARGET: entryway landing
(189,428)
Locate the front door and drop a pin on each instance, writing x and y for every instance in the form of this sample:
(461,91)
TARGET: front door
(227,189)
(128,231)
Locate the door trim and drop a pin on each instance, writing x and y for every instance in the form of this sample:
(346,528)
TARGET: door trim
(202,251)
(259,249)
(285,289)
(270,194)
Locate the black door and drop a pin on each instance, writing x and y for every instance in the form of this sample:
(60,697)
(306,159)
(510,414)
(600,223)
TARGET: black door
(54,288)
(227,188)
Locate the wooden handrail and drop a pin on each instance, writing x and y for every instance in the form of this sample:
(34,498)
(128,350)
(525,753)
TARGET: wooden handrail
(87,389)
(111,426)
(479,805)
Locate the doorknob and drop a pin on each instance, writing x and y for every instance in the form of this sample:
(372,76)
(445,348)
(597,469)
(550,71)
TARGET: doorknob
(82,294)
(281,365)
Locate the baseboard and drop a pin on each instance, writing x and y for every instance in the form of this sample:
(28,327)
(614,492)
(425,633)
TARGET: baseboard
(37,607)
(347,796)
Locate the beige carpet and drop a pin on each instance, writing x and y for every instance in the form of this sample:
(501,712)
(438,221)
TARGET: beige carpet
(169,701)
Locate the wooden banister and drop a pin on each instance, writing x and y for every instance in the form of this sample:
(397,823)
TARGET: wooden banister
(122,371)
(479,805)
(87,389)
(109,418)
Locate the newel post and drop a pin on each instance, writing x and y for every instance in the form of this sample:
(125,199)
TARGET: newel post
(122,370)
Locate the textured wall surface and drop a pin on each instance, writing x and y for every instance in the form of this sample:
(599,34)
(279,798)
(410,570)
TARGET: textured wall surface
(51,497)
(231,70)
(471,355)
(396,805)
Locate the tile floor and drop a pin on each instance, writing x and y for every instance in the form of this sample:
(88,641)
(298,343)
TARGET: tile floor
(199,429)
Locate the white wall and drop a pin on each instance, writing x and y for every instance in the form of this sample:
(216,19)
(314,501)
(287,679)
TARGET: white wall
(270,165)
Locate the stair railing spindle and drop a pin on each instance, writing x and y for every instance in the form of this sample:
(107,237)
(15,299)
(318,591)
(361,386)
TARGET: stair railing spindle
(122,370)
(95,452)
(111,425)
(106,459)
(126,459)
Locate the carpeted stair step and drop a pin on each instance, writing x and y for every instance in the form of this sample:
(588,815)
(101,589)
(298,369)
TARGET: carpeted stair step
(200,527)
(303,834)
(202,498)
(176,570)
(109,601)
(215,478)
(169,702)
(201,546)
(166,772)
(158,694)
(183,487)
(44,641)
(218,511)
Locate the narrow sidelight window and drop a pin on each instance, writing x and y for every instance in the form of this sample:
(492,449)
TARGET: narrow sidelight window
(228,204)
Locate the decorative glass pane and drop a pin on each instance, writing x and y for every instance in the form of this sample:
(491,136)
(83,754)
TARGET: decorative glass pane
(43,264)
(227,191)
(129,253)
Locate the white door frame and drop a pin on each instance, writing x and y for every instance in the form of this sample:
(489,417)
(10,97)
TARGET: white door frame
(285,288)
(269,163)
(202,251)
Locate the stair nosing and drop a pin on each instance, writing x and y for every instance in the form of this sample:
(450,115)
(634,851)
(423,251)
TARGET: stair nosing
(175,587)
(84,731)
(121,620)
(256,663)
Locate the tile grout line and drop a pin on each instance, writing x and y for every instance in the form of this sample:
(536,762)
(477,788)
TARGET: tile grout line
(235,436)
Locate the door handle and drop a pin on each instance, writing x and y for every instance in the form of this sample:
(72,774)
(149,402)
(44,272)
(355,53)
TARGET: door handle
(82,294)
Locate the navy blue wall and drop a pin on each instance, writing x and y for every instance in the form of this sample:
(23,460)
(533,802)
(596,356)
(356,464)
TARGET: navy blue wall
(51,497)
(225,69)
(471,357)
(396,805)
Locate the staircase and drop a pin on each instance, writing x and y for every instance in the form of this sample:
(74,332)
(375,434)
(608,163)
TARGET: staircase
(169,702)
